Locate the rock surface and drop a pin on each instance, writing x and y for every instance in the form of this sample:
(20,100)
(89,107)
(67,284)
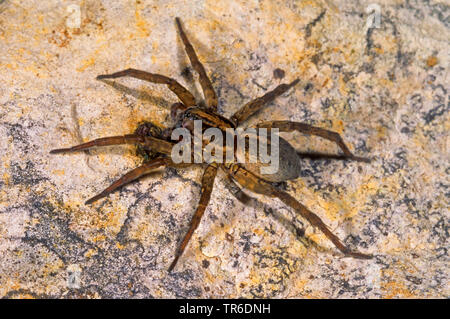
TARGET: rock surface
(383,88)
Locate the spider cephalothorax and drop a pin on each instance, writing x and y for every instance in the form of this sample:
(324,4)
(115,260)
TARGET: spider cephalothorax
(151,130)
(156,146)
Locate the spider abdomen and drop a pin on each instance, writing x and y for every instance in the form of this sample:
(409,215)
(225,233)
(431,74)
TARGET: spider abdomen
(280,168)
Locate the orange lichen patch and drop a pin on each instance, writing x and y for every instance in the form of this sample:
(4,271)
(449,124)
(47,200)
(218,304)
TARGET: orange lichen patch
(432,61)
(332,209)
(338,126)
(12,283)
(141,24)
(301,284)
(258,231)
(98,238)
(141,231)
(109,218)
(319,238)
(394,289)
(51,267)
(103,159)
(369,188)
(3,198)
(91,252)
(68,206)
(382,132)
(357,199)
(59,172)
(39,72)
(393,244)
(210,277)
(378,50)
(297,249)
(12,66)
(341,208)
(386,44)
(86,63)
(286,36)
(60,38)
(6,162)
(237,44)
(6,178)
(350,55)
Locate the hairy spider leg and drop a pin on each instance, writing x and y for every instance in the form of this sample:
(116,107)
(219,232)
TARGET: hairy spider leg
(236,191)
(131,176)
(205,82)
(251,107)
(320,156)
(158,145)
(183,94)
(287,126)
(208,178)
(250,181)
(104,141)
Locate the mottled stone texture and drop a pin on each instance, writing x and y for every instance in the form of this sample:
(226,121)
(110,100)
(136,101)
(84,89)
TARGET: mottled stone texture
(384,89)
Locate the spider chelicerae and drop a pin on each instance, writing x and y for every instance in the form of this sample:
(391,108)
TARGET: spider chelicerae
(156,144)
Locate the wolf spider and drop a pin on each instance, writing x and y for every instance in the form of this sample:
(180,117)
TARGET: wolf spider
(157,145)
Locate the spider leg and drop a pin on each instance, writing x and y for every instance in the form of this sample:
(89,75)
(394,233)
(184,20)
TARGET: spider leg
(205,82)
(287,126)
(158,145)
(252,182)
(237,192)
(183,94)
(104,141)
(251,107)
(207,187)
(321,156)
(131,176)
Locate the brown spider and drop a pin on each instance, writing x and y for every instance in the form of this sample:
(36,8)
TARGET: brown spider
(157,145)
